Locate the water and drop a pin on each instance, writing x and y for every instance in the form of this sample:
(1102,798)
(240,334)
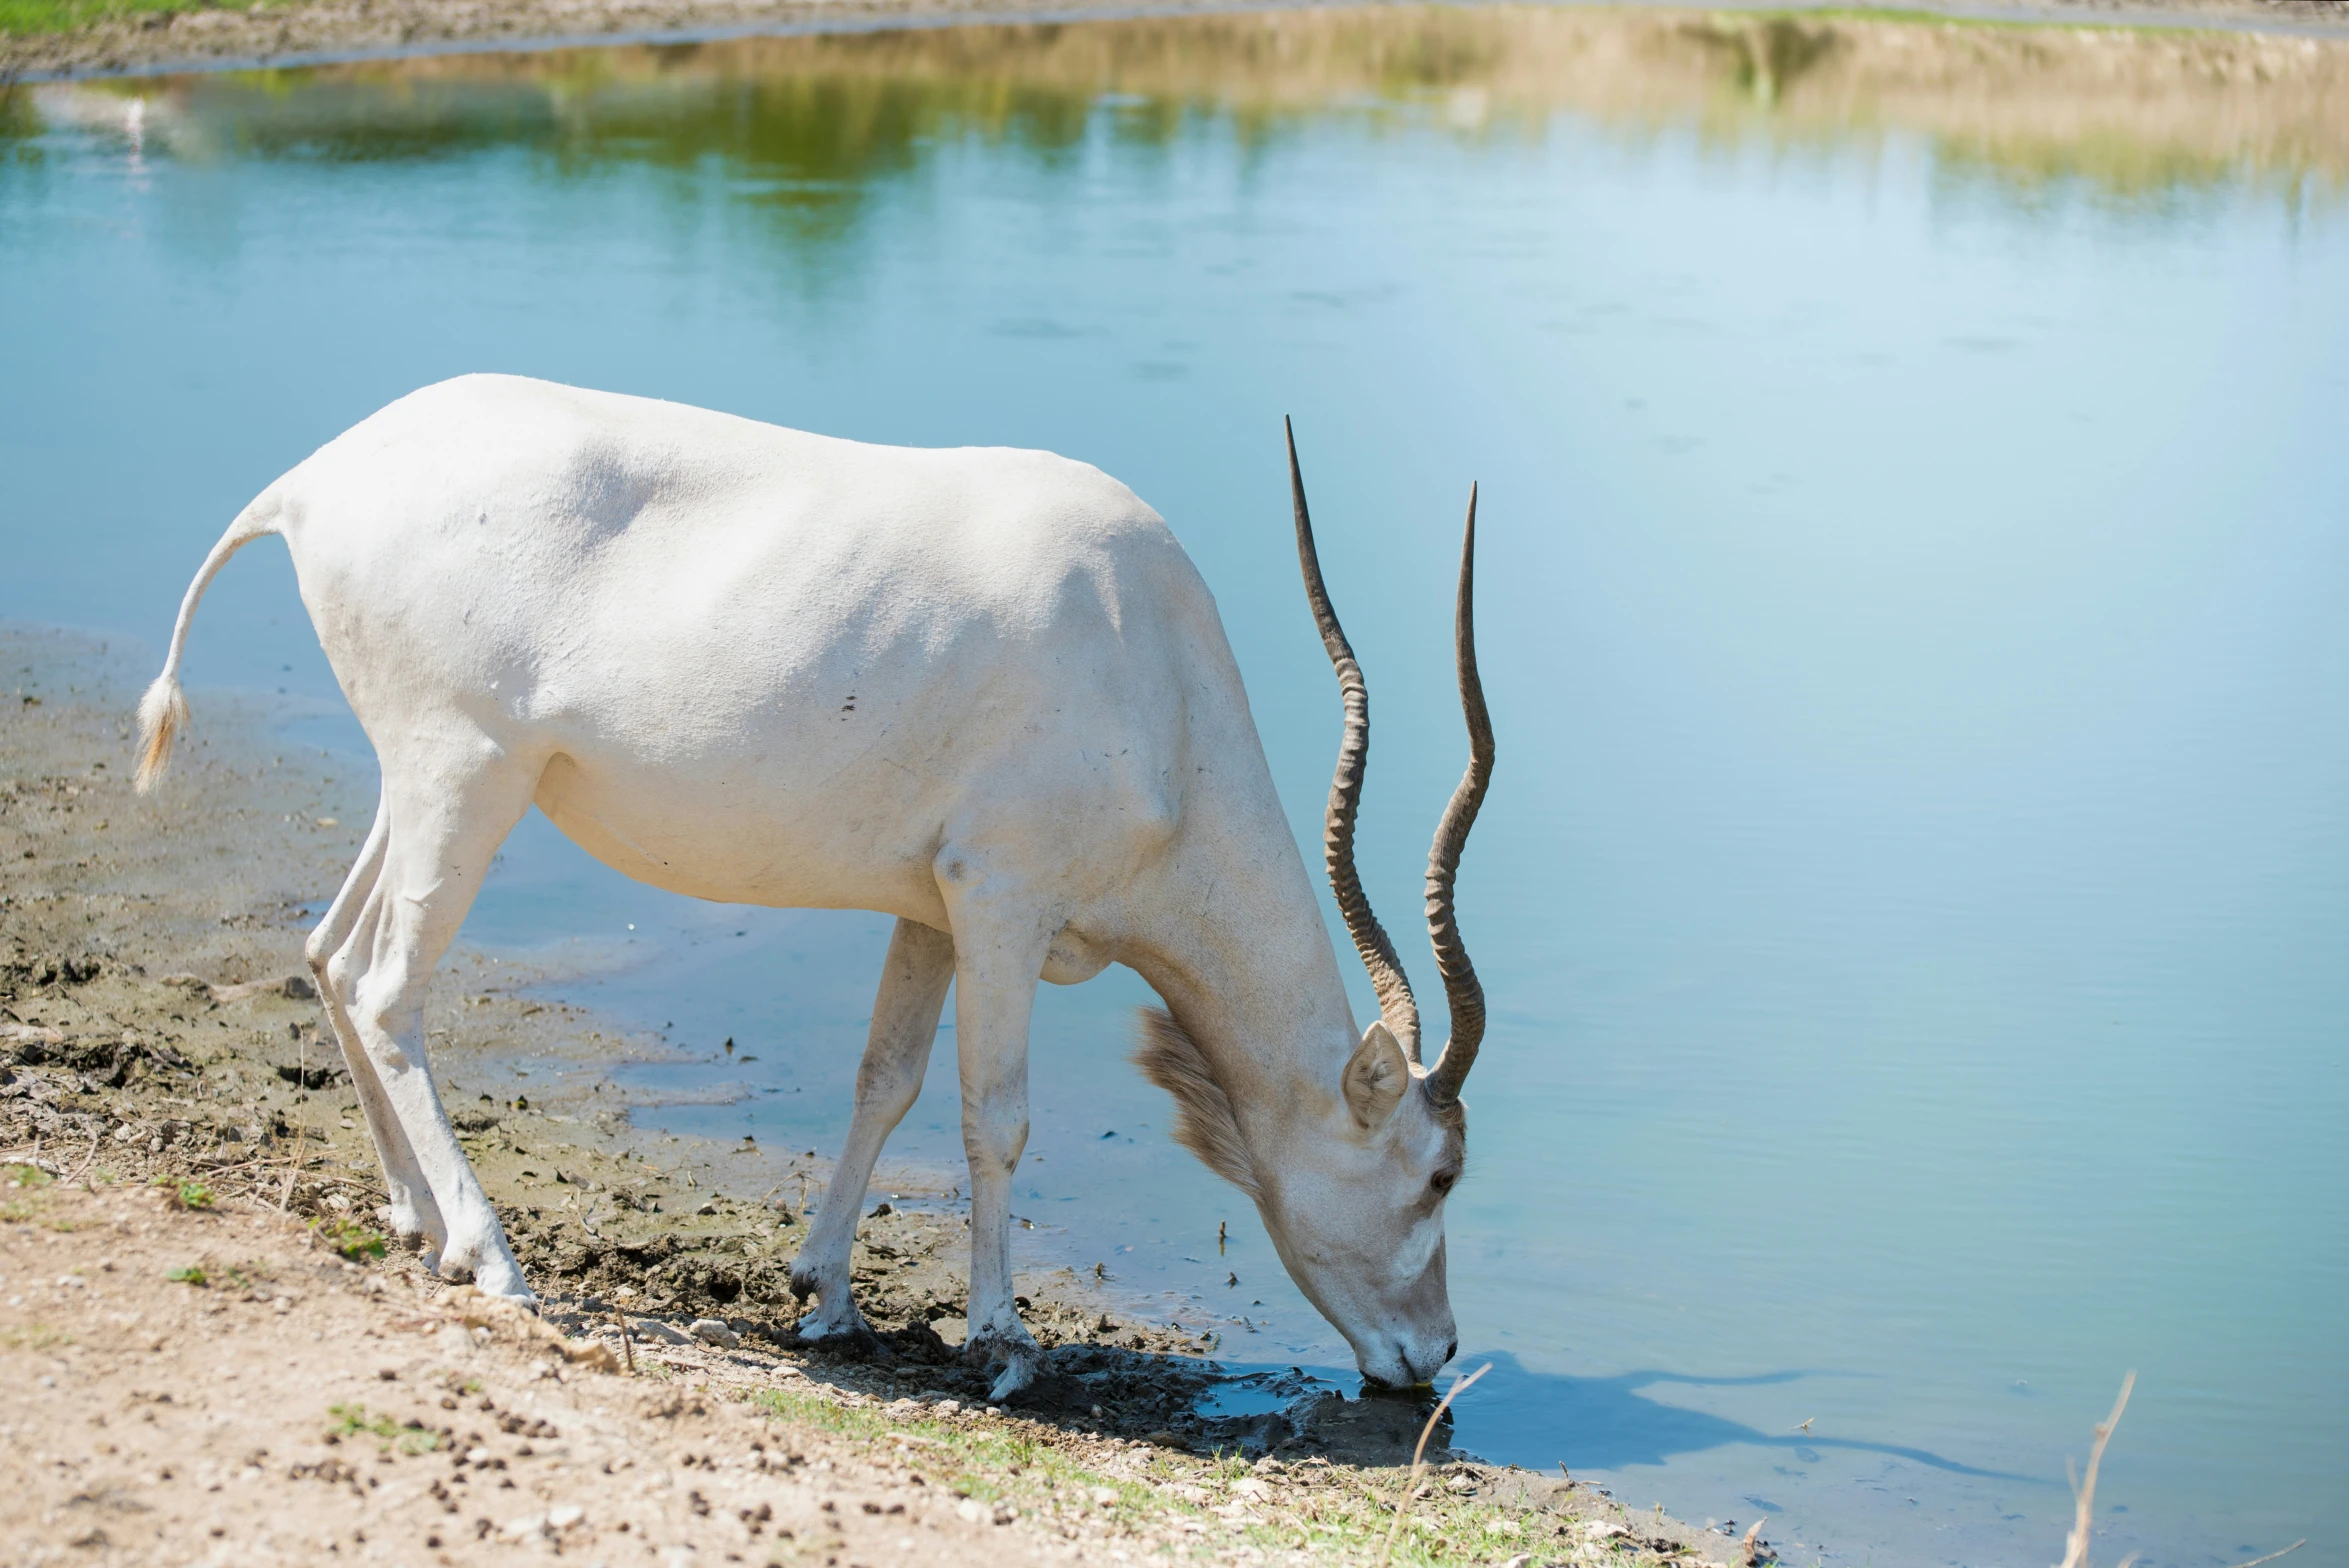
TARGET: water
(1912,898)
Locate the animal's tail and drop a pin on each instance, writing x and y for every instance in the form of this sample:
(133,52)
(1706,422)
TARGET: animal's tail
(163,711)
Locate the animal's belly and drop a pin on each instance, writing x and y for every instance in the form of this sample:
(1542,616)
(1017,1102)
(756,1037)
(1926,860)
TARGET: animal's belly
(749,840)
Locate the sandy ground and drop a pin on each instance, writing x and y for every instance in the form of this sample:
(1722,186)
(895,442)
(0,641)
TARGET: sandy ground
(207,1354)
(215,1386)
(209,37)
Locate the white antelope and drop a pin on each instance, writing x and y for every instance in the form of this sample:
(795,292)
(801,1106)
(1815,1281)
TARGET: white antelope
(982,690)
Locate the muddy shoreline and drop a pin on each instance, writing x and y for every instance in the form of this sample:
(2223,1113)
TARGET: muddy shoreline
(205,37)
(154,1028)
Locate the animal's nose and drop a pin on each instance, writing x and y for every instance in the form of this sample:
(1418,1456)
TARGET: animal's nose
(1423,1367)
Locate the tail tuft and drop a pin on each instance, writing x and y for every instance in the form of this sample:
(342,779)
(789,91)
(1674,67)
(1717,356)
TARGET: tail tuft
(163,713)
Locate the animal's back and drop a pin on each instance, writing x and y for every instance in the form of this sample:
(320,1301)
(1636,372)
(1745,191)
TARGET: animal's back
(553,499)
(754,658)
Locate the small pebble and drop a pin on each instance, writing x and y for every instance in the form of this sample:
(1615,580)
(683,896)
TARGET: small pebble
(712,1331)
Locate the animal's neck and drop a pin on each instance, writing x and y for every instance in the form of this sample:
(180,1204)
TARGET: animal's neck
(1234,943)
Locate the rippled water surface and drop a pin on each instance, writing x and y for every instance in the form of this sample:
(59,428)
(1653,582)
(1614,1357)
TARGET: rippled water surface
(1915,506)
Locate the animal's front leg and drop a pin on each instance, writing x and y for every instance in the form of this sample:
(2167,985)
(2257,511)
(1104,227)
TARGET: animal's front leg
(897,1053)
(995,991)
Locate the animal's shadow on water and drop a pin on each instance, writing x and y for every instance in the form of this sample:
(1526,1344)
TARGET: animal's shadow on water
(1541,1419)
(1514,1415)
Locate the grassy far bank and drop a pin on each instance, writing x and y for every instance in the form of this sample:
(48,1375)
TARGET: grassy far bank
(2118,109)
(36,18)
(57,20)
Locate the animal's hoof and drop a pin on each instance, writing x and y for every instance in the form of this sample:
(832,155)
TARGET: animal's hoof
(513,1290)
(852,1337)
(492,1276)
(1014,1358)
(1017,1377)
(409,1224)
(410,1231)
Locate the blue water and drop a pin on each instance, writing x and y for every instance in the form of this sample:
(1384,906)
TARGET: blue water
(1913,894)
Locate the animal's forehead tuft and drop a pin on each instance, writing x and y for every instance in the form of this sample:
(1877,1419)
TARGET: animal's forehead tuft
(1444,1140)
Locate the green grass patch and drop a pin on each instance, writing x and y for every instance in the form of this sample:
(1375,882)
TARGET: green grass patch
(353,1421)
(1343,1517)
(207,1275)
(346,1238)
(189,1195)
(35,18)
(1908,16)
(26,1180)
(987,1461)
(34,1336)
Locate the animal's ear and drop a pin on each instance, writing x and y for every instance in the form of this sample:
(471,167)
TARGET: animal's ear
(1376,1077)
(1204,1123)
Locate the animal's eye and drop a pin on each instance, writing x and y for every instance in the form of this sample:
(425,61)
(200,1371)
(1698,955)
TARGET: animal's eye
(1441,1182)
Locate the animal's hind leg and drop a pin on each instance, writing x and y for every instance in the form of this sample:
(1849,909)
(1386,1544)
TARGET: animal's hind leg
(414,1216)
(450,806)
(914,978)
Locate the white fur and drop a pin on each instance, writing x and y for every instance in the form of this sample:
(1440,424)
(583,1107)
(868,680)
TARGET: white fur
(980,689)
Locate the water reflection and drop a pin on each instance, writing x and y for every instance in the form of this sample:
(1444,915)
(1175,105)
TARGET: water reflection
(817,121)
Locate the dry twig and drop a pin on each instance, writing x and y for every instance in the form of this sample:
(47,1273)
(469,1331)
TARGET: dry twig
(301,1136)
(1419,1452)
(2084,1493)
(97,1140)
(2084,1490)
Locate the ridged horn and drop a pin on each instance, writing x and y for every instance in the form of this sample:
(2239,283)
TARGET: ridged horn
(1396,1005)
(1462,991)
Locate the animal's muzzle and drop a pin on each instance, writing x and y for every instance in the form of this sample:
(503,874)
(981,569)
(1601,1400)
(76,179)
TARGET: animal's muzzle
(1424,1368)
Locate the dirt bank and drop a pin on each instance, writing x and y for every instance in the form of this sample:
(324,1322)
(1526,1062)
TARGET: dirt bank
(191,1379)
(197,35)
(194,1298)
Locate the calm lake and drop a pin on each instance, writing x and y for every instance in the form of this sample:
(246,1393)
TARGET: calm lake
(1916,535)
